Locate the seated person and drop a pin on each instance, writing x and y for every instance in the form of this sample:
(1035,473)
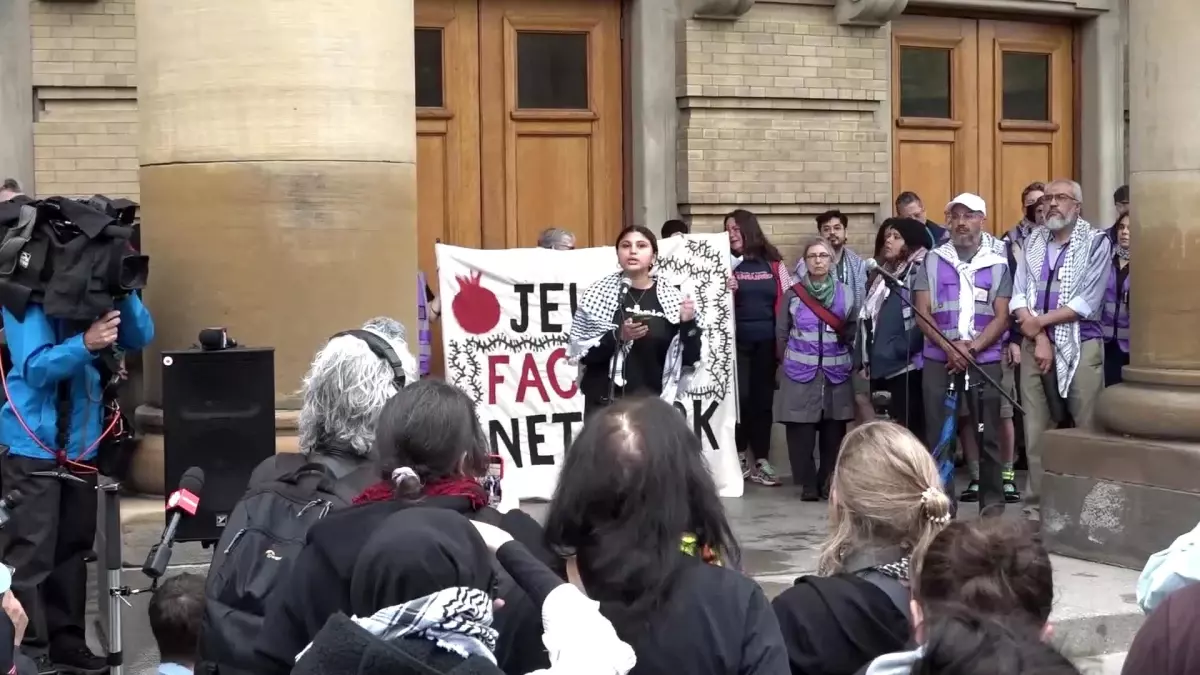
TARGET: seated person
(176,610)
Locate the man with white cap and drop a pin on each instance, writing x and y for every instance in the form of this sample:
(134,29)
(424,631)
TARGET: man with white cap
(964,289)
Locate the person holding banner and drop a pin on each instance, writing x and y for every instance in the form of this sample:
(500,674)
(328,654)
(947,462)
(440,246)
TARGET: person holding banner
(759,284)
(634,333)
(815,395)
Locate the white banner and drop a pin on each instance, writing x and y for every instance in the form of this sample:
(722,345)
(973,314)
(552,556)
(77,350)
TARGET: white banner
(505,321)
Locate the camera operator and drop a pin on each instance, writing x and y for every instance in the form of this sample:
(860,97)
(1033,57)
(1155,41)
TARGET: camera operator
(52,425)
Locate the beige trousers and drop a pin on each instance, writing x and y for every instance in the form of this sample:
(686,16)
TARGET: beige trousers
(1081,403)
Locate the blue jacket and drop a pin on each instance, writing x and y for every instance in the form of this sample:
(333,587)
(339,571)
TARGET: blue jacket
(43,356)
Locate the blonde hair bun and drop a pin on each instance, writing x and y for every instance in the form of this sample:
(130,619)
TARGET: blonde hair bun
(936,505)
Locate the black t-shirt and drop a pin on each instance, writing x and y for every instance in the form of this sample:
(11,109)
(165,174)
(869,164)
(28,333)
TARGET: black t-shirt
(644,364)
(647,356)
(754,301)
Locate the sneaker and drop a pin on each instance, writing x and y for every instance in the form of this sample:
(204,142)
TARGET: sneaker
(764,474)
(971,494)
(44,665)
(78,659)
(1011,494)
(745,466)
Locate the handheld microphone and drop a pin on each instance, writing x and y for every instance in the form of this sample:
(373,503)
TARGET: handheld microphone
(9,504)
(874,266)
(184,501)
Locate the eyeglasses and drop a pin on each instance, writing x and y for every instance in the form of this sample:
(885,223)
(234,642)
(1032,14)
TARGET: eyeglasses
(817,256)
(1063,199)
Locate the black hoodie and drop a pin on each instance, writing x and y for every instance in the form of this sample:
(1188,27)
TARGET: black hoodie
(836,625)
(319,586)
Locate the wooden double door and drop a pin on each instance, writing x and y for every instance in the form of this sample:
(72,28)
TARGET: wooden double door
(519,123)
(980,106)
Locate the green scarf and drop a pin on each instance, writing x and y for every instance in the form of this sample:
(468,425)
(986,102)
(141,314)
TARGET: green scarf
(821,290)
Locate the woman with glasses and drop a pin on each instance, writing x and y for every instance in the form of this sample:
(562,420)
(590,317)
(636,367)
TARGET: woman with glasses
(815,397)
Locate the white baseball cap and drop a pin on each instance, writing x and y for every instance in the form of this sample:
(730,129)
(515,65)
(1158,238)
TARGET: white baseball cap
(972,201)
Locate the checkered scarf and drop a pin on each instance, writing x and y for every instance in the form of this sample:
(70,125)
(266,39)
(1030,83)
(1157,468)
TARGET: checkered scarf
(1066,335)
(459,620)
(597,316)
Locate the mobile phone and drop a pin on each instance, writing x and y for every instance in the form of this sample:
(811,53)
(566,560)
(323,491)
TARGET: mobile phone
(491,481)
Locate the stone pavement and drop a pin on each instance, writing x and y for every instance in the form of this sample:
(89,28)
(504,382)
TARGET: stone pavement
(1095,611)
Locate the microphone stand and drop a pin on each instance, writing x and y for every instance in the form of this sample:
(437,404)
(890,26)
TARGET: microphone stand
(972,364)
(619,344)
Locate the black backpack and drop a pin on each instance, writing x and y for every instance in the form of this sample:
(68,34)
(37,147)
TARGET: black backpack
(265,532)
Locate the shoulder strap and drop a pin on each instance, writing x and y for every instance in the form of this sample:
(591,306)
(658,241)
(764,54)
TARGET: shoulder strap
(896,591)
(817,308)
(350,486)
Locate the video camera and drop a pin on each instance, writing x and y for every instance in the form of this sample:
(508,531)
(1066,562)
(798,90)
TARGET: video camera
(76,258)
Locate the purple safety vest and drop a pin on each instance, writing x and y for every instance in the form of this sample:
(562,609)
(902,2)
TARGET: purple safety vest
(1047,295)
(424,333)
(812,345)
(1115,318)
(943,304)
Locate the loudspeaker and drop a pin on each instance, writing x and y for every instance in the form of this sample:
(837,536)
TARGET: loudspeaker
(219,415)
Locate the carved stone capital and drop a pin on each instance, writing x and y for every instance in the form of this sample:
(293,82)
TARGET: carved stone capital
(868,12)
(728,10)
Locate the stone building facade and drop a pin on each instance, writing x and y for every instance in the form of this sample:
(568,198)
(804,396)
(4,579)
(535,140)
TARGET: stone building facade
(784,107)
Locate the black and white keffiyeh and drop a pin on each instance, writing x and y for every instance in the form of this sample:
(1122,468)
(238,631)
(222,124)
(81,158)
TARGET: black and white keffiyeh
(596,316)
(1066,335)
(459,620)
(987,256)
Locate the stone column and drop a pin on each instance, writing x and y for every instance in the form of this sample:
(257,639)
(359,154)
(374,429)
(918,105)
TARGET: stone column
(278,146)
(16,94)
(1123,492)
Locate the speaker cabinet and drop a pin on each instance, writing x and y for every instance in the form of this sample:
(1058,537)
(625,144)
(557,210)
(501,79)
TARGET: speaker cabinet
(219,415)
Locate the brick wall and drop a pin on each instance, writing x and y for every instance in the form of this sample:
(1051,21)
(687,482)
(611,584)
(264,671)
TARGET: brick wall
(784,113)
(84,78)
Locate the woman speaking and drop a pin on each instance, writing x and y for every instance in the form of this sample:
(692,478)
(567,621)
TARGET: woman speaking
(634,333)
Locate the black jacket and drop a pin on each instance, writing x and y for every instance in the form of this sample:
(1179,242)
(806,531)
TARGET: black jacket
(319,586)
(837,625)
(716,621)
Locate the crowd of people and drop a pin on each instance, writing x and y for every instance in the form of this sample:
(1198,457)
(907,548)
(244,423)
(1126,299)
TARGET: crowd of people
(406,565)
(635,568)
(961,329)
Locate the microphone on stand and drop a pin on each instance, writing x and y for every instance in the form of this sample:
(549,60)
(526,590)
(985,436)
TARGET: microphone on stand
(874,266)
(184,501)
(972,365)
(626,284)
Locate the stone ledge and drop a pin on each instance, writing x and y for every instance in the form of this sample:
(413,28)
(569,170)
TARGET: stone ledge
(1122,459)
(1112,522)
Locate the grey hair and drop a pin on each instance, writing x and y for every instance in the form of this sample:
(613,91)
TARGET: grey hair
(10,185)
(815,241)
(345,388)
(1076,189)
(554,236)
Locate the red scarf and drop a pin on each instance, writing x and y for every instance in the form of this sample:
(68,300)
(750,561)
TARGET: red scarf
(459,486)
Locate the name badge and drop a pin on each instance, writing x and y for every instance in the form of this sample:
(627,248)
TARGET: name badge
(906,312)
(981,295)
(1058,273)
(1125,301)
